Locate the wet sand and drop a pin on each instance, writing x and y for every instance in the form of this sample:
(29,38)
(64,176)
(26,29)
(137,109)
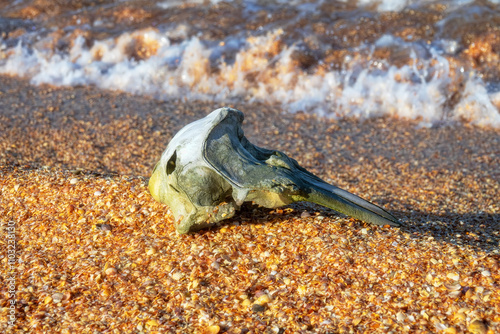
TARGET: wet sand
(97,253)
(436,60)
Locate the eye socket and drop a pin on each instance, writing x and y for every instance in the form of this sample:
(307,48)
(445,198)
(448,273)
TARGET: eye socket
(171,163)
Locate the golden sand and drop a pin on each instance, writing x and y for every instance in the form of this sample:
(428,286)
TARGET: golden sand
(95,253)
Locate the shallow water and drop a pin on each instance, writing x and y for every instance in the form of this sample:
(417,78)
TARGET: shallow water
(435,61)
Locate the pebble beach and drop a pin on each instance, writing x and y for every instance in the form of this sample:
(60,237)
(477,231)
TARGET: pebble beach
(95,252)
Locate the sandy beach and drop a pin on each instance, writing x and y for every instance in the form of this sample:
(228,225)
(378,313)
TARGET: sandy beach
(96,254)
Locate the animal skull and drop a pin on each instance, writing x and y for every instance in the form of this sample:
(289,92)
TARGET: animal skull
(210,168)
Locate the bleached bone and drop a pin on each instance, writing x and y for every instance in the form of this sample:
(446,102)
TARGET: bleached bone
(210,168)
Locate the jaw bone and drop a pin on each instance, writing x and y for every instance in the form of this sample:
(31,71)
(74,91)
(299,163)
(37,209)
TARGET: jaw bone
(210,168)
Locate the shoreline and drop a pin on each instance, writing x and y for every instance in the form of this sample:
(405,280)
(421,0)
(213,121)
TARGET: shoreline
(98,253)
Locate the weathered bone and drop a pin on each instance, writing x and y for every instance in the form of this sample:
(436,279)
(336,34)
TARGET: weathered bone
(210,168)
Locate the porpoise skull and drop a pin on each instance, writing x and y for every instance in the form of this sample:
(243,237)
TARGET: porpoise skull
(210,168)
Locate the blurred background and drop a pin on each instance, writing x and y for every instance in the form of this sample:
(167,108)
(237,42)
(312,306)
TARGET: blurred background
(433,61)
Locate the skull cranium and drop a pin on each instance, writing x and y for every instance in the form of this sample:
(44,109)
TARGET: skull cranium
(210,168)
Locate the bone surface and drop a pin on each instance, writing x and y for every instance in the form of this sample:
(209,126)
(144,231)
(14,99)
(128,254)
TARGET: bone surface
(210,169)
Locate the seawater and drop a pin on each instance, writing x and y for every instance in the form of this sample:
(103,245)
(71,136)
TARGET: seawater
(434,61)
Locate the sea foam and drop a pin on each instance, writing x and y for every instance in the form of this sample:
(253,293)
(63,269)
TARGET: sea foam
(263,69)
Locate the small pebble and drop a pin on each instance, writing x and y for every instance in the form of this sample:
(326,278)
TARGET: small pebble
(400,316)
(478,327)
(57,297)
(302,290)
(97,193)
(177,275)
(305,214)
(258,308)
(73,181)
(259,293)
(148,282)
(152,323)
(486,273)
(110,271)
(103,227)
(263,300)
(212,329)
(453,286)
(246,302)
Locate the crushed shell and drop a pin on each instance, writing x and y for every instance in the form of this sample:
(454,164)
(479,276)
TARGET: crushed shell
(337,274)
(324,272)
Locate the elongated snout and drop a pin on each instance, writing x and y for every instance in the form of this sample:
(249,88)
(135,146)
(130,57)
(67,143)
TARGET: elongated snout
(322,193)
